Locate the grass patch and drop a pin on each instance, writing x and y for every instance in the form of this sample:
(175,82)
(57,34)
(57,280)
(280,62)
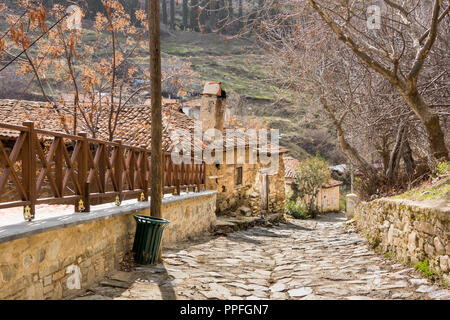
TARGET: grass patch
(425,268)
(431,193)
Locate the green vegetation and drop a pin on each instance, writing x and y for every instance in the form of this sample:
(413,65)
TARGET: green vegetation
(431,193)
(425,268)
(297,209)
(442,168)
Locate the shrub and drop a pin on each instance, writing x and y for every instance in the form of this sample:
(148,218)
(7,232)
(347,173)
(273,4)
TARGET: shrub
(442,168)
(297,209)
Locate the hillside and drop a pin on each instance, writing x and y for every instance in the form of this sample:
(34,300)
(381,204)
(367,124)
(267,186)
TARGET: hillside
(243,70)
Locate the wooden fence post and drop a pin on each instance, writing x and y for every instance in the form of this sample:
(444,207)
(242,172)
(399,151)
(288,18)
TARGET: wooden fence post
(84,205)
(143,169)
(29,170)
(118,168)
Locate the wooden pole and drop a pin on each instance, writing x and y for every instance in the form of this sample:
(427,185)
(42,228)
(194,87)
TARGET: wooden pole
(29,169)
(155,92)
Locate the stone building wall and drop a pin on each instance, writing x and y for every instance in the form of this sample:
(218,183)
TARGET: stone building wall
(230,197)
(412,233)
(54,258)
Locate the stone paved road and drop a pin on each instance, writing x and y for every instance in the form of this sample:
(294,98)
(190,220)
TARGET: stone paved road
(300,259)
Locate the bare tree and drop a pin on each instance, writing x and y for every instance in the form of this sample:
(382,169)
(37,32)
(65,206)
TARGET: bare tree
(397,51)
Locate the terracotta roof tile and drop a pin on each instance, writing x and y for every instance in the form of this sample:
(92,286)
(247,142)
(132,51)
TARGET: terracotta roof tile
(290,166)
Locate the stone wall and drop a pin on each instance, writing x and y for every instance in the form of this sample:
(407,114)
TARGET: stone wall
(411,232)
(54,258)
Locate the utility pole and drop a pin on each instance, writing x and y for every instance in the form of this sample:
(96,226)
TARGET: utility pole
(155,91)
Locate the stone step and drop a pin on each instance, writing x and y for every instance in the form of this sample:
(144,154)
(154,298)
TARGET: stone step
(225,224)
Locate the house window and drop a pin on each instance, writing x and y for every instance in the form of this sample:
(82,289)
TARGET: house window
(238,176)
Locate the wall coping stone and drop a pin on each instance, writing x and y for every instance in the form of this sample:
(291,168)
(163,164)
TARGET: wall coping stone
(100,212)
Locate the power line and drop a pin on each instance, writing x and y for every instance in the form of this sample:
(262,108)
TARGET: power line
(34,42)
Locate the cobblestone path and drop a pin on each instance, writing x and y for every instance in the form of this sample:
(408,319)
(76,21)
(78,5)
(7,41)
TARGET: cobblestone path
(300,259)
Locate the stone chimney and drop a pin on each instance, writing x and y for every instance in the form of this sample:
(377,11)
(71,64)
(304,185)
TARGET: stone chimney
(212,109)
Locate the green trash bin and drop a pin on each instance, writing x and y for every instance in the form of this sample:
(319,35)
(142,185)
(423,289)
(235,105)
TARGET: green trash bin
(147,239)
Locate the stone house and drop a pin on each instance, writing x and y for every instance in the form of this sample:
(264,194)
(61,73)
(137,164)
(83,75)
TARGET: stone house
(243,186)
(329,193)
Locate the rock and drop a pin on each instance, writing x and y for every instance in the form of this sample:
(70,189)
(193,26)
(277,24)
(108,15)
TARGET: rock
(279,296)
(396,285)
(439,294)
(426,289)
(179,275)
(115,283)
(390,234)
(444,263)
(242,293)
(211,294)
(278,287)
(381,293)
(412,242)
(418,282)
(331,290)
(220,290)
(440,249)
(405,295)
(300,292)
(122,276)
(429,249)
(338,277)
(245,210)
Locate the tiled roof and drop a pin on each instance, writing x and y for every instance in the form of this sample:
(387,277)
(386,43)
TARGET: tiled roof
(290,165)
(45,117)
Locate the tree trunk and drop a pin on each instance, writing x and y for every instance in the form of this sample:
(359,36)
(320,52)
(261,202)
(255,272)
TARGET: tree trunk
(240,14)
(203,14)
(396,153)
(164,11)
(172,14)
(230,10)
(408,159)
(430,120)
(213,15)
(155,91)
(185,14)
(194,15)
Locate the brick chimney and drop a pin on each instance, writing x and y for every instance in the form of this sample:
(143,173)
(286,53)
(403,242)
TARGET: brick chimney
(212,109)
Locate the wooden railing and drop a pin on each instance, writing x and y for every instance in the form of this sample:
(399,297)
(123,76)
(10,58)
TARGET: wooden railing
(44,167)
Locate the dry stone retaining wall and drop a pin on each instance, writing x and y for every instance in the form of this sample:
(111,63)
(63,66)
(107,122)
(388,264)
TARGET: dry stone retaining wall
(54,258)
(411,232)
